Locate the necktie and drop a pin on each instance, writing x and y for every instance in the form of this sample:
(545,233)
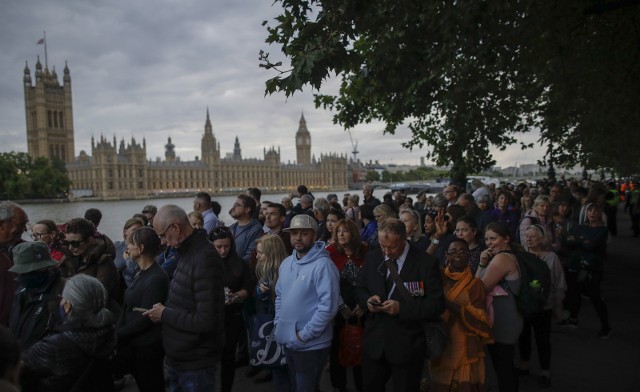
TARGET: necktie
(392,265)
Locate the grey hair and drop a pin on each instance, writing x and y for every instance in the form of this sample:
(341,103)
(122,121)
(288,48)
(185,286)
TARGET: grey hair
(307,198)
(88,300)
(543,232)
(355,199)
(440,201)
(7,210)
(172,213)
(322,205)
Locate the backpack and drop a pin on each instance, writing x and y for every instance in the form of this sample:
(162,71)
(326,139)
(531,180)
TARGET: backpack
(533,220)
(535,283)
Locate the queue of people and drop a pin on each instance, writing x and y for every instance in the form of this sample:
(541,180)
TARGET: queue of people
(175,301)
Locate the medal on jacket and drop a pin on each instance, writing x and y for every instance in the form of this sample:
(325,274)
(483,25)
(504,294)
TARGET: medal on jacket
(415,288)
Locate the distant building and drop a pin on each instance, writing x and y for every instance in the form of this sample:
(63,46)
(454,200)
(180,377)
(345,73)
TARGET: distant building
(115,171)
(49,114)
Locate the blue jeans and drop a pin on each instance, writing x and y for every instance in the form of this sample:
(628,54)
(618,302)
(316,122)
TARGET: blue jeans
(306,368)
(199,380)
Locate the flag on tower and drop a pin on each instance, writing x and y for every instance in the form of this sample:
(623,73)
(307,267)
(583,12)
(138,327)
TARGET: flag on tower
(40,42)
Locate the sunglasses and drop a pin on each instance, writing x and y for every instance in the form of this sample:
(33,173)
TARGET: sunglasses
(74,244)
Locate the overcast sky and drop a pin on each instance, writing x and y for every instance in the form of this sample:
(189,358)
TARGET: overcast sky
(150,68)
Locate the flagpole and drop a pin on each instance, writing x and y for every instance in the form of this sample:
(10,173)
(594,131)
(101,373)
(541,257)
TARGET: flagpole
(46,63)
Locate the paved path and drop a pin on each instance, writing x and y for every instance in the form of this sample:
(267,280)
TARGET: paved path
(580,361)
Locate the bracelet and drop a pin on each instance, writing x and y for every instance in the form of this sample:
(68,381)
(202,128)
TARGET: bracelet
(435,241)
(482,265)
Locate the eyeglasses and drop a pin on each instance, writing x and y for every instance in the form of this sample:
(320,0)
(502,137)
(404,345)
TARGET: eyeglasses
(37,236)
(75,244)
(455,252)
(164,234)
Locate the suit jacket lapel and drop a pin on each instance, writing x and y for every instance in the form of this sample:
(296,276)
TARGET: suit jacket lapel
(409,264)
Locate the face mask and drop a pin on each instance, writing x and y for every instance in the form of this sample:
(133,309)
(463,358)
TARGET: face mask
(33,280)
(61,313)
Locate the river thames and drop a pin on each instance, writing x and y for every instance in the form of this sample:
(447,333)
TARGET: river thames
(115,213)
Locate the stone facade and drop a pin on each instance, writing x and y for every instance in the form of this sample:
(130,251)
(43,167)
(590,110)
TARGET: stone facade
(124,172)
(49,114)
(115,171)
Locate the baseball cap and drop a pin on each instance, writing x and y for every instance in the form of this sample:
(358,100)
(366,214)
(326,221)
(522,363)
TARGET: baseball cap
(301,222)
(31,256)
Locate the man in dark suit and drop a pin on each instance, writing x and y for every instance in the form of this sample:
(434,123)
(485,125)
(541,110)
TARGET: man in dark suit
(394,343)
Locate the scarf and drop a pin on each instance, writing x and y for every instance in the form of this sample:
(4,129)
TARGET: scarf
(462,279)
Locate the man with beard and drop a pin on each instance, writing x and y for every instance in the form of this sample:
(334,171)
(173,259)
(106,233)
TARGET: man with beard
(274,220)
(246,230)
(35,307)
(13,222)
(307,296)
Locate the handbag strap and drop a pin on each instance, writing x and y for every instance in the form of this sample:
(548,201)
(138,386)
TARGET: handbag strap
(398,281)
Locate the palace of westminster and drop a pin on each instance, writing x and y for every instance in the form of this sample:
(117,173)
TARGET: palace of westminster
(115,171)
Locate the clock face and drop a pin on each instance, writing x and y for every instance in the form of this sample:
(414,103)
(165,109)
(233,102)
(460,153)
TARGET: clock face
(307,140)
(299,141)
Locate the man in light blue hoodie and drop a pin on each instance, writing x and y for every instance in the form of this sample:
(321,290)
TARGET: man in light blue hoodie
(307,296)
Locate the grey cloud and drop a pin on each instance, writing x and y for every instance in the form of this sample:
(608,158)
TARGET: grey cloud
(150,69)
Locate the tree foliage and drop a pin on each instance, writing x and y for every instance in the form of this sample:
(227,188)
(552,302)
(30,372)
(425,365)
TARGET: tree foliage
(21,178)
(468,76)
(419,174)
(372,175)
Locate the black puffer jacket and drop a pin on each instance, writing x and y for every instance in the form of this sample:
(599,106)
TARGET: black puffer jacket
(73,358)
(193,320)
(35,312)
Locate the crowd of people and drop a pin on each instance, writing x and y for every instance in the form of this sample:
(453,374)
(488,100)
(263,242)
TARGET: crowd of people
(176,301)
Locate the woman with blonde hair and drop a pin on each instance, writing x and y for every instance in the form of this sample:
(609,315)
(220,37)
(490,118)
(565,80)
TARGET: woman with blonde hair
(540,322)
(412,222)
(353,210)
(382,212)
(270,252)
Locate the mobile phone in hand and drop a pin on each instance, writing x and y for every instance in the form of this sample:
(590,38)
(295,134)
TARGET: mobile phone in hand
(375,304)
(141,310)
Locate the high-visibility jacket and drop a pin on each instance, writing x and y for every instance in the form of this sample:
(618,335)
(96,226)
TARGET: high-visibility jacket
(615,200)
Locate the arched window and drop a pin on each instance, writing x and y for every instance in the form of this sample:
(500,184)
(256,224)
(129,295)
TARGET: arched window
(55,119)
(60,122)
(49,120)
